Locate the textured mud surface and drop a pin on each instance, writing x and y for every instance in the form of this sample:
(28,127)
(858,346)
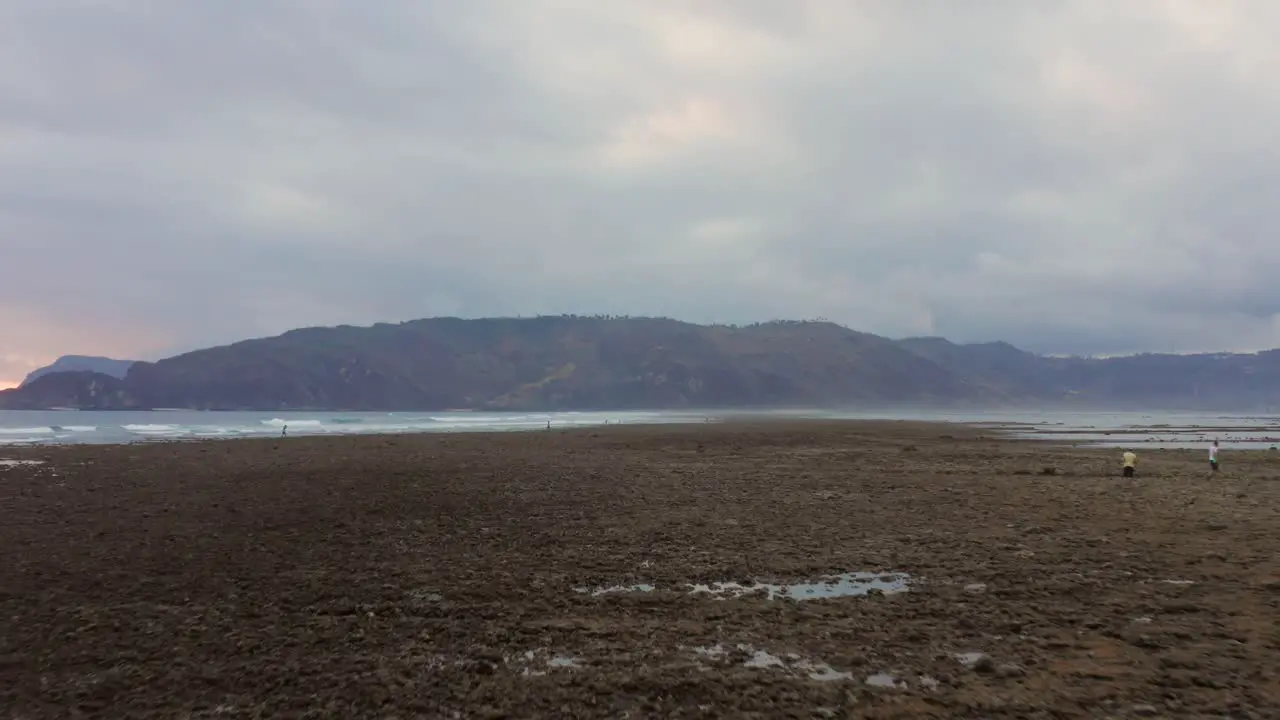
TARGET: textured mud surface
(460,576)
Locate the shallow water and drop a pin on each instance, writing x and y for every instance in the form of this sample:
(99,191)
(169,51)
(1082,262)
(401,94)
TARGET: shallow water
(792,663)
(829,586)
(762,659)
(642,588)
(531,665)
(883,680)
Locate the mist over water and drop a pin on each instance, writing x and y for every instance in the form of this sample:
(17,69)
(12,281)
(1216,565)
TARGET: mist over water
(1146,429)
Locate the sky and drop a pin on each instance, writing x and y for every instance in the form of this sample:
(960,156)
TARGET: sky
(1071,176)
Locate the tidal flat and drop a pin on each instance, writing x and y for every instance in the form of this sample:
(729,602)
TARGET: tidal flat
(779,569)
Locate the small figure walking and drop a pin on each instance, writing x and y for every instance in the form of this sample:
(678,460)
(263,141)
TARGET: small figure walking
(1130,463)
(1213,456)
(284,431)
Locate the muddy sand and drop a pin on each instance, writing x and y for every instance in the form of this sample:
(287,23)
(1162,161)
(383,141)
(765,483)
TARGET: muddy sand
(549,574)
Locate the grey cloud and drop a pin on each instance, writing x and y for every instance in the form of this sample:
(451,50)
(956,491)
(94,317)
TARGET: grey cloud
(1069,176)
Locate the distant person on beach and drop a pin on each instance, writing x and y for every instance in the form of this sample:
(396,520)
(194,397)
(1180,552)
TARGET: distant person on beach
(1130,463)
(1213,456)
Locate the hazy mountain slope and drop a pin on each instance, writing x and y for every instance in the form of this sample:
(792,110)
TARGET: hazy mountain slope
(542,363)
(575,362)
(82,363)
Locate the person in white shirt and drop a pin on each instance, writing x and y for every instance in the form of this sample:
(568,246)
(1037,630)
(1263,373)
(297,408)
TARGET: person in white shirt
(1213,456)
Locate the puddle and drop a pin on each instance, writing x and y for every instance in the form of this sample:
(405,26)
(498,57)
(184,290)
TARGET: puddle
(762,659)
(830,586)
(970,659)
(790,663)
(533,666)
(928,683)
(883,680)
(823,672)
(1178,582)
(643,587)
(16,463)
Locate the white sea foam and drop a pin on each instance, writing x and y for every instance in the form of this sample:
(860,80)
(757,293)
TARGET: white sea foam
(279,423)
(27,431)
(157,430)
(215,432)
(54,427)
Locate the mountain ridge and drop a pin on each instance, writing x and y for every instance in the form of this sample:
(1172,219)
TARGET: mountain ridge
(575,362)
(82,363)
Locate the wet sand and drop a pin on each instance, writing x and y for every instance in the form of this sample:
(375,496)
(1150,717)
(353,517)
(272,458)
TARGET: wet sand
(459,576)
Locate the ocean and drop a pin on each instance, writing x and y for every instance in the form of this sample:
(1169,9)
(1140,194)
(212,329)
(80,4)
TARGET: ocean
(1152,429)
(23,427)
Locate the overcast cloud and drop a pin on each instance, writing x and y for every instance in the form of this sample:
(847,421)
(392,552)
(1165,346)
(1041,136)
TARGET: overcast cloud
(1068,175)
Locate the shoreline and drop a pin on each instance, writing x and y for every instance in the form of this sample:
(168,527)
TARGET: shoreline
(946,430)
(1089,439)
(862,434)
(1163,437)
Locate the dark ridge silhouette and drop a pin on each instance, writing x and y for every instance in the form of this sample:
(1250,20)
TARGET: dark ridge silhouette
(606,362)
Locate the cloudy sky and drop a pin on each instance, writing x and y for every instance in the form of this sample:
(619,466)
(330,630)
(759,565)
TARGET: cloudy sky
(1083,176)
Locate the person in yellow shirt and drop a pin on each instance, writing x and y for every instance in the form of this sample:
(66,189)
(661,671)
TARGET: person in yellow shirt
(1130,463)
